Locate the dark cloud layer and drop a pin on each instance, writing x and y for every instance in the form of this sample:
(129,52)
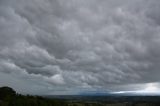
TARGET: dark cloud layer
(65,46)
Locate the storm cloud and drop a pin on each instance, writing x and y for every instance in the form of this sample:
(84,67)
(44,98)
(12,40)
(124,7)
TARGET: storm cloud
(65,46)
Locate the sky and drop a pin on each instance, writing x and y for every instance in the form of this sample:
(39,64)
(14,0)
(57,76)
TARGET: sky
(77,46)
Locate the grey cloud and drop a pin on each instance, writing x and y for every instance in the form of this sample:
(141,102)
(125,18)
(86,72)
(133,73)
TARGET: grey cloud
(79,44)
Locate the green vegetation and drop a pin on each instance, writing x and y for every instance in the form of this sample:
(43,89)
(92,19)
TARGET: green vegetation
(8,97)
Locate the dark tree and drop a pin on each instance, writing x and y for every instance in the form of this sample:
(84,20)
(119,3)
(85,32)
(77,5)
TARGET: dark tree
(6,92)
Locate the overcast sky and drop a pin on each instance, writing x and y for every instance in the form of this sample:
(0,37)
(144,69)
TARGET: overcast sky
(75,46)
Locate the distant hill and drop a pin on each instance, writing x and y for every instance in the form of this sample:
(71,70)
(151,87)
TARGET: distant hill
(8,97)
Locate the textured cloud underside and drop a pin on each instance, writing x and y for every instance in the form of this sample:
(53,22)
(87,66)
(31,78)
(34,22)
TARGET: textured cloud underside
(67,45)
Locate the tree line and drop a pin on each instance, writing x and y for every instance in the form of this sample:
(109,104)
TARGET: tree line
(8,97)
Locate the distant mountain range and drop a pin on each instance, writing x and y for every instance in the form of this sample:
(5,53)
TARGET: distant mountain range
(8,97)
(120,93)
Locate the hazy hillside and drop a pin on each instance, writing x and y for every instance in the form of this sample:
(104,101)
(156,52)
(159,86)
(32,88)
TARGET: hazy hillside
(8,97)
